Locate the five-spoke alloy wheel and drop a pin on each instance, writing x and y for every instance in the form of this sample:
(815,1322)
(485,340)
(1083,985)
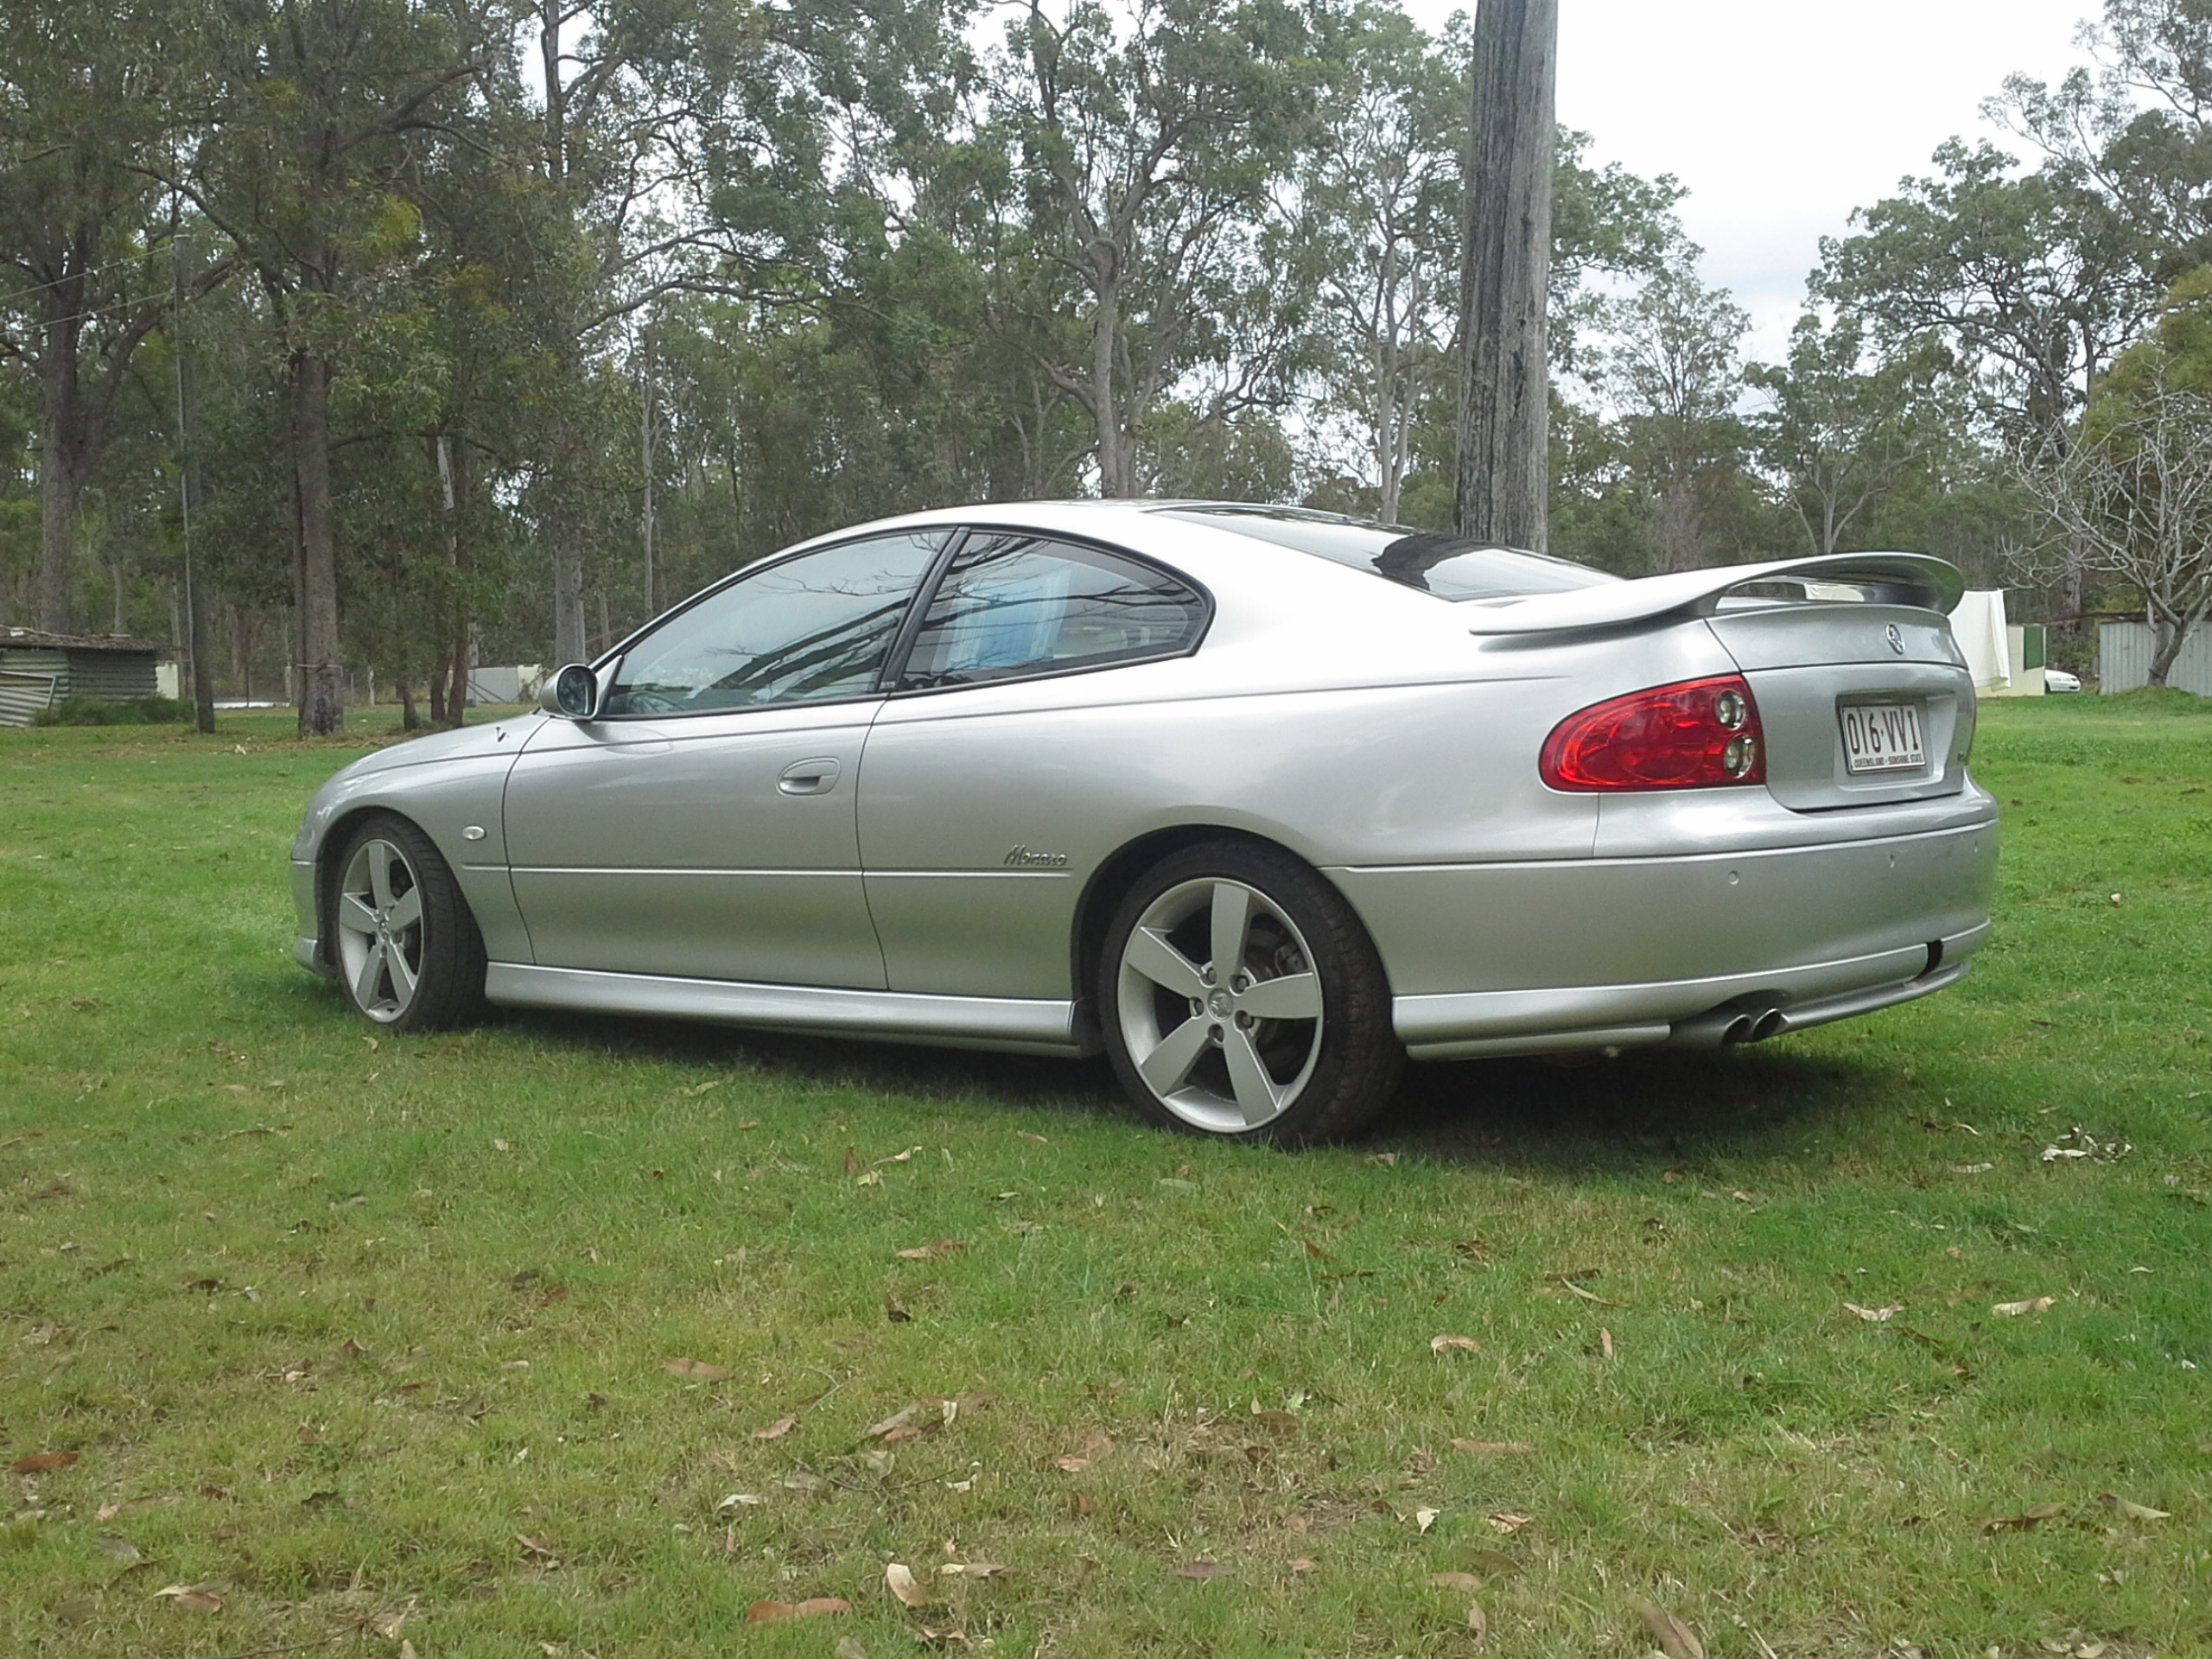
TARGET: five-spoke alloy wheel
(1240,998)
(406,947)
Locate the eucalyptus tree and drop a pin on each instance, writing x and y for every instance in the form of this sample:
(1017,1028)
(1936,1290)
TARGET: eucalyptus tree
(320,114)
(85,228)
(1149,137)
(1842,427)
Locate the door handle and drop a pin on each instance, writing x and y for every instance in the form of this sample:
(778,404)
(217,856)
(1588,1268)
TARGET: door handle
(817,777)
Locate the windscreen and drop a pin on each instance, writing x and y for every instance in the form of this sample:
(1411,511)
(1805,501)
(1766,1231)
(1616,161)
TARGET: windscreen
(1447,566)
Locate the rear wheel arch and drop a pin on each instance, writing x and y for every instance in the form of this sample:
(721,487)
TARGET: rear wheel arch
(1110,883)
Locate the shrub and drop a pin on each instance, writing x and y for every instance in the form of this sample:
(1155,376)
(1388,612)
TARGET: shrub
(132,711)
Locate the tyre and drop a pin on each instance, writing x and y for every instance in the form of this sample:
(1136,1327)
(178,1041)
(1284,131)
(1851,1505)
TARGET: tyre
(408,949)
(1240,997)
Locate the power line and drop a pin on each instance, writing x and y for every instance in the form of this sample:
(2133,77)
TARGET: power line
(41,287)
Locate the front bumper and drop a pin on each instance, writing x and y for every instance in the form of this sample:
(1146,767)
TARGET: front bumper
(306,945)
(1576,955)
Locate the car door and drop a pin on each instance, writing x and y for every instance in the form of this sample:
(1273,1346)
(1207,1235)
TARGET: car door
(703,825)
(995,779)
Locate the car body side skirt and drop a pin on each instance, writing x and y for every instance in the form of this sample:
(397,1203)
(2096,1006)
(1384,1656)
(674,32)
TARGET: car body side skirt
(1019,1024)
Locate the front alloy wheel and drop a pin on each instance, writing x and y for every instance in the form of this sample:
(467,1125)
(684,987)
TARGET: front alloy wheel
(1244,1000)
(407,948)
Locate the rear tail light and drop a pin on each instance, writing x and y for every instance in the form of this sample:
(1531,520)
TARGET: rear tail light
(1699,734)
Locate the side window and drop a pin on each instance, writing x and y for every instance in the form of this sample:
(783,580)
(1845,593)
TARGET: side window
(1014,604)
(803,630)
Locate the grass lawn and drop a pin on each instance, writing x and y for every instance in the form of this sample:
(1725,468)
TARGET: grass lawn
(362,1341)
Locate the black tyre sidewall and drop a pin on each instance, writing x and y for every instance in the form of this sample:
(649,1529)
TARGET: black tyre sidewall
(1360,1058)
(450,990)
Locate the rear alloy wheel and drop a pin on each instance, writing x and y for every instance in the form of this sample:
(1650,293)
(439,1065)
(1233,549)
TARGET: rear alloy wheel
(408,949)
(1242,999)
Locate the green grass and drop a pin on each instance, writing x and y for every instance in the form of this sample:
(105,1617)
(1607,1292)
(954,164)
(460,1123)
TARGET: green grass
(361,1329)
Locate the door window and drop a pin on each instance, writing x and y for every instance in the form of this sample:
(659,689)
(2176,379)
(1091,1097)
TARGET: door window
(1012,604)
(803,630)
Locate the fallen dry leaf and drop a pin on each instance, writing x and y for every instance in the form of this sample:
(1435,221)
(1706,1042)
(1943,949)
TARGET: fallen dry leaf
(2133,1511)
(2039,1304)
(122,1548)
(930,1252)
(896,1420)
(1606,1342)
(1565,1281)
(198,1596)
(540,1546)
(1024,1135)
(1877,1315)
(1302,1564)
(1444,1344)
(898,1579)
(976,1569)
(1093,1449)
(1466,1583)
(1494,1448)
(2026,1518)
(695,1368)
(899,1157)
(1478,1620)
(39,1462)
(501,1145)
(776,1430)
(1201,1570)
(768,1612)
(1508,1523)
(1424,1519)
(1675,1639)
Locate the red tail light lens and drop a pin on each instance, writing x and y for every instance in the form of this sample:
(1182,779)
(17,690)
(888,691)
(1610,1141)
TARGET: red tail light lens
(1699,734)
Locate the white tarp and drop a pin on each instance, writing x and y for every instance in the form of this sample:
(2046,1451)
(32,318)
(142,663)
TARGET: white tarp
(1978,622)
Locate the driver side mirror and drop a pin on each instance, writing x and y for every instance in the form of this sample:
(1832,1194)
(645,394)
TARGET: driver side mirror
(573,693)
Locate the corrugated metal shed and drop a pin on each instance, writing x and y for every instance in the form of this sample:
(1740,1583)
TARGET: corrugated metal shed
(22,695)
(106,668)
(2124,658)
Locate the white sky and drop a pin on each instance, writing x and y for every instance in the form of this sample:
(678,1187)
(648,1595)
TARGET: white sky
(1782,116)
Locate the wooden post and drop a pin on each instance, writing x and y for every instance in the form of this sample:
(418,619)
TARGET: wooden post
(1505,276)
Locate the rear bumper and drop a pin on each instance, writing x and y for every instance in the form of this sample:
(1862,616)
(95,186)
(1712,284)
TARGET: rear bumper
(1602,953)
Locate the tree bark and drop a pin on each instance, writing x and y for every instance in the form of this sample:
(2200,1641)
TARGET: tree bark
(321,703)
(1114,469)
(61,465)
(1504,482)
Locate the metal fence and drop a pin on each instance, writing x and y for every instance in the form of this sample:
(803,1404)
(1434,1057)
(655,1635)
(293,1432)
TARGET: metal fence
(2124,658)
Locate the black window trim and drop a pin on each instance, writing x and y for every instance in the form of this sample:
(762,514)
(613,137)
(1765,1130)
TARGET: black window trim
(901,637)
(895,664)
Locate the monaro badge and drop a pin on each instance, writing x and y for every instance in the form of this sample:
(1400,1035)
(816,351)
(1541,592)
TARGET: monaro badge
(1022,858)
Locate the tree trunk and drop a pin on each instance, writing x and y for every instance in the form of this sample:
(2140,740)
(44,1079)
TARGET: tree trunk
(1115,474)
(322,709)
(1504,482)
(61,473)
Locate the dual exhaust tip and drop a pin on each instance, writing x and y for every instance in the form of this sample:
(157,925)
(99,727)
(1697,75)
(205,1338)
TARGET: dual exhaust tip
(1727,1027)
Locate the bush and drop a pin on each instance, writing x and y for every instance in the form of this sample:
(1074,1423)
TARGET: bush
(133,711)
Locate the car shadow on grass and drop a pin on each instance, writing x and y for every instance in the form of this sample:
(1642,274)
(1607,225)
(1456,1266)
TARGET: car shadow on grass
(1643,1110)
(1648,1109)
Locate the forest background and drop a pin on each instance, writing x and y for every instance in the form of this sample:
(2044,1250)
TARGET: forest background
(454,331)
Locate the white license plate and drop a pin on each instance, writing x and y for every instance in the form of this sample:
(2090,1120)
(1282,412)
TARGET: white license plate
(1882,737)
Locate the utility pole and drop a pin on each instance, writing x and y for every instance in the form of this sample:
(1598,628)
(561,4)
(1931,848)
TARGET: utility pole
(1505,276)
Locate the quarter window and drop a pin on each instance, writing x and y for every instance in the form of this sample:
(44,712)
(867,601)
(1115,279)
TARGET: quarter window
(803,630)
(1012,604)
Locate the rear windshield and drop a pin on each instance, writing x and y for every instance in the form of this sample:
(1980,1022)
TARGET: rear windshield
(1447,566)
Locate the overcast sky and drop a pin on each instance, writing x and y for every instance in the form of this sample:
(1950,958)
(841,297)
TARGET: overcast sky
(1782,116)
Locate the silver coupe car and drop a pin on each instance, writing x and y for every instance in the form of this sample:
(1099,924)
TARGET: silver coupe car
(1261,802)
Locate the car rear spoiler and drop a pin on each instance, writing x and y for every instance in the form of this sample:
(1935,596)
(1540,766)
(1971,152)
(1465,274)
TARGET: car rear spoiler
(1914,579)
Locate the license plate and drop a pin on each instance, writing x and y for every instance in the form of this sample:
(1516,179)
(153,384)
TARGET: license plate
(1882,737)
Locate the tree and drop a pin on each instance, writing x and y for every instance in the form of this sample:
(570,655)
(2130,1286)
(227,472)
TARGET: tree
(321,110)
(1837,434)
(1671,375)
(2132,498)
(85,232)
(1148,144)
(1505,275)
